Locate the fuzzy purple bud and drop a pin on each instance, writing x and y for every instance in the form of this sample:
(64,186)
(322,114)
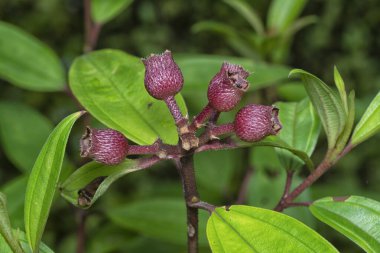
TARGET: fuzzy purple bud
(227,87)
(106,146)
(163,78)
(254,122)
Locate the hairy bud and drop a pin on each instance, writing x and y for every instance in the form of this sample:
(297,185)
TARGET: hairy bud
(163,78)
(106,146)
(227,87)
(254,122)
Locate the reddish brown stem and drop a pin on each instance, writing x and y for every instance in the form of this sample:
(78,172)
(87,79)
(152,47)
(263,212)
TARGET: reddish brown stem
(288,184)
(174,109)
(91,29)
(213,132)
(158,148)
(81,234)
(202,117)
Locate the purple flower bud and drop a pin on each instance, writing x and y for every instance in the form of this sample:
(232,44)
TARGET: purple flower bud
(106,146)
(227,87)
(254,122)
(163,78)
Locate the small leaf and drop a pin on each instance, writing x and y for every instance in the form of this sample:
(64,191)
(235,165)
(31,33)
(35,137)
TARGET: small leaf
(163,219)
(343,138)
(27,62)
(339,83)
(103,11)
(24,244)
(252,229)
(369,124)
(282,13)
(300,130)
(21,142)
(110,85)
(356,217)
(5,226)
(327,103)
(43,179)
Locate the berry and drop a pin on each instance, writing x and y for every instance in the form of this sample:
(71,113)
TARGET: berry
(227,87)
(254,122)
(163,78)
(106,146)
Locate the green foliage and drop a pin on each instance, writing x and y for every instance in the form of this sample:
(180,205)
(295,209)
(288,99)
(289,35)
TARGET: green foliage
(104,11)
(27,62)
(4,248)
(356,217)
(110,85)
(237,229)
(43,180)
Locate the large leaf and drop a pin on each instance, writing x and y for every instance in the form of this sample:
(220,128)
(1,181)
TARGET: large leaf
(369,124)
(300,130)
(4,248)
(282,13)
(103,11)
(91,181)
(110,85)
(356,217)
(21,143)
(162,219)
(43,180)
(27,62)
(251,229)
(327,103)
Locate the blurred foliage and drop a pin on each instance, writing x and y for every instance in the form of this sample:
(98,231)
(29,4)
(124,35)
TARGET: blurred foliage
(344,34)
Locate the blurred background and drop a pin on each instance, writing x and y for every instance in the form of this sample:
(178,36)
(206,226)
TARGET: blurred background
(269,41)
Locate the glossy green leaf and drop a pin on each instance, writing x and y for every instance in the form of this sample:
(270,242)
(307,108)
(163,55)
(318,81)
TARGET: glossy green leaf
(4,248)
(248,13)
(300,130)
(110,85)
(43,180)
(369,124)
(282,13)
(22,143)
(94,178)
(163,219)
(6,228)
(27,62)
(356,217)
(327,103)
(251,229)
(339,83)
(103,11)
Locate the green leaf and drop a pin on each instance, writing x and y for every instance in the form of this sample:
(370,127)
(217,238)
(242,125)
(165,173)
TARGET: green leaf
(282,13)
(93,179)
(110,85)
(103,11)
(327,103)
(43,180)
(252,229)
(343,138)
(249,14)
(5,227)
(163,219)
(356,217)
(24,244)
(292,91)
(369,124)
(339,83)
(27,62)
(300,130)
(21,143)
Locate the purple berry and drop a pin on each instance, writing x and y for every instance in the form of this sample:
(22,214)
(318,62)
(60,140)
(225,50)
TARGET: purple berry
(106,146)
(254,122)
(227,87)
(163,78)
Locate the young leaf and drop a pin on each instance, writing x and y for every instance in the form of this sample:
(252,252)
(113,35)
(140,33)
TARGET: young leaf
(27,62)
(343,138)
(4,248)
(5,226)
(356,217)
(300,130)
(103,11)
(21,143)
(43,180)
(369,124)
(163,219)
(251,229)
(327,103)
(339,83)
(282,13)
(110,85)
